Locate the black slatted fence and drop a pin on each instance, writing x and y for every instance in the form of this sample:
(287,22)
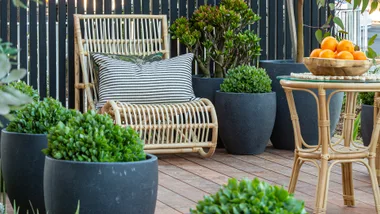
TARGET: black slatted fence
(44,33)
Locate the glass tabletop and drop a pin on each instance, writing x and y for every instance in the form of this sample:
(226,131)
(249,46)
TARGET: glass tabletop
(321,79)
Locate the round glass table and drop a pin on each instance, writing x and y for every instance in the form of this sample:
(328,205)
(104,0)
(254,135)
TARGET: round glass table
(345,151)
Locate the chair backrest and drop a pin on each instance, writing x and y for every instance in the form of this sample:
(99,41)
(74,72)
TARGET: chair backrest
(115,34)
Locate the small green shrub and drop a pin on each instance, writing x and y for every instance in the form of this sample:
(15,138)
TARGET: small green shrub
(39,117)
(250,196)
(25,89)
(246,79)
(93,137)
(367,98)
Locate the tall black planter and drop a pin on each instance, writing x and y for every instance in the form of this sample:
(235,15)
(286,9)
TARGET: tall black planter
(206,88)
(366,121)
(23,167)
(245,120)
(107,188)
(283,135)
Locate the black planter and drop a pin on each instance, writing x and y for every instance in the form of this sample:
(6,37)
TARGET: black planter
(283,135)
(206,88)
(366,122)
(245,120)
(23,168)
(107,188)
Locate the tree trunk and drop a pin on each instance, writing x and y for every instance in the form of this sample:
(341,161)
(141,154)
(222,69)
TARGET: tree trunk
(219,73)
(292,26)
(300,39)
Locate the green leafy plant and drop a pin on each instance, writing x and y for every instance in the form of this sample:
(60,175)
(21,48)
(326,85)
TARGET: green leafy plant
(25,89)
(250,196)
(246,79)
(216,33)
(93,137)
(367,98)
(39,117)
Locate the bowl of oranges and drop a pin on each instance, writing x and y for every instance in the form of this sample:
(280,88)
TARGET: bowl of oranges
(337,59)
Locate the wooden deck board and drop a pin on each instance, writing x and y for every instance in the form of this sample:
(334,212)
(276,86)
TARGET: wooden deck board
(190,177)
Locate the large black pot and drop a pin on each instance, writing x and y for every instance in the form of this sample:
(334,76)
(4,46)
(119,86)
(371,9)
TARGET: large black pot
(107,188)
(245,120)
(206,87)
(23,168)
(366,122)
(283,135)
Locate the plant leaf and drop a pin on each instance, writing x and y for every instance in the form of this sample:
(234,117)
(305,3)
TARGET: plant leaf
(4,109)
(5,65)
(318,35)
(14,75)
(332,6)
(374,5)
(365,5)
(371,53)
(339,22)
(371,40)
(356,3)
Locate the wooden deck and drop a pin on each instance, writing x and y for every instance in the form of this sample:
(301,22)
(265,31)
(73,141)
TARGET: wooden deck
(184,179)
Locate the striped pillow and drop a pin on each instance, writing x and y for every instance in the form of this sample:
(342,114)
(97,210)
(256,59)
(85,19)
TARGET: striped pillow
(165,81)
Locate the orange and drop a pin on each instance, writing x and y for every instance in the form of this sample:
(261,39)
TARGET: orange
(327,54)
(359,55)
(329,43)
(345,55)
(345,45)
(315,53)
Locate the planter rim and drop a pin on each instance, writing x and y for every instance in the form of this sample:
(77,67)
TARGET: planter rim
(199,76)
(150,158)
(233,93)
(367,105)
(18,133)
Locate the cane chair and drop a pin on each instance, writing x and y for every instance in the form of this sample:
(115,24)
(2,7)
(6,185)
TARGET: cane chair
(165,128)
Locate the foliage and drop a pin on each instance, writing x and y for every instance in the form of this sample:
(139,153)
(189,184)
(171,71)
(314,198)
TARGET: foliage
(250,196)
(39,117)
(216,33)
(93,137)
(247,79)
(25,89)
(357,126)
(367,98)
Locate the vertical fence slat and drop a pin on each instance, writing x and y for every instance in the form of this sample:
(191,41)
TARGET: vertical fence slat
(90,6)
(173,17)
(145,7)
(13,24)
(107,7)
(182,13)
(165,7)
(254,7)
(136,7)
(307,21)
(288,42)
(4,20)
(70,49)
(201,2)
(62,51)
(52,50)
(42,49)
(127,7)
(263,29)
(80,10)
(33,44)
(156,7)
(191,7)
(23,40)
(272,29)
(280,29)
(314,23)
(118,7)
(99,7)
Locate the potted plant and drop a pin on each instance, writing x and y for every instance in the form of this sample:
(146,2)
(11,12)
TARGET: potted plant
(21,145)
(366,119)
(250,196)
(246,107)
(216,34)
(102,165)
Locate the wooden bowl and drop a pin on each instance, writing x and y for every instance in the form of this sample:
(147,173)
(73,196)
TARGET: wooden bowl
(336,67)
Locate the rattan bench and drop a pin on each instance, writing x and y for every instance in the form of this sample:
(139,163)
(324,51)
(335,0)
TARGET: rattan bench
(165,128)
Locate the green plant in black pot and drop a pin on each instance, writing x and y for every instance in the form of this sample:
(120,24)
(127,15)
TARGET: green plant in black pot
(366,116)
(21,145)
(91,151)
(250,196)
(246,108)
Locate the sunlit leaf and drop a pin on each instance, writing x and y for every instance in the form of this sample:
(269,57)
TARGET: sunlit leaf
(371,53)
(14,75)
(356,3)
(371,40)
(364,5)
(339,22)
(318,35)
(332,6)
(374,5)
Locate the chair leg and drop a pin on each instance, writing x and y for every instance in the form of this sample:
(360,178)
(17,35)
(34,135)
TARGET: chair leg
(375,184)
(348,185)
(322,188)
(295,172)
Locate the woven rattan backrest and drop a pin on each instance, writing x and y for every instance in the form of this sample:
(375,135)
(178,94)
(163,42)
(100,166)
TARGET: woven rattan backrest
(115,34)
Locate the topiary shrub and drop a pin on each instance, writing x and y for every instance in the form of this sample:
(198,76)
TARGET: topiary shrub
(25,89)
(246,79)
(367,98)
(93,137)
(250,196)
(39,117)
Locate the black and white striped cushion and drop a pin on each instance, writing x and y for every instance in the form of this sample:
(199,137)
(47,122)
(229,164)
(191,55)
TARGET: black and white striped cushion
(165,81)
